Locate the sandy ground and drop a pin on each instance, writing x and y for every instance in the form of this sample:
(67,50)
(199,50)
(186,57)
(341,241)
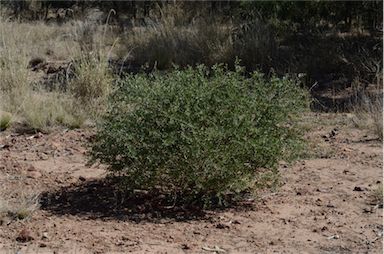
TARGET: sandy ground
(326,204)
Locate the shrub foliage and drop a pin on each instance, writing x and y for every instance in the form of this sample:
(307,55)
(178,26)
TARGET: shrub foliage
(199,133)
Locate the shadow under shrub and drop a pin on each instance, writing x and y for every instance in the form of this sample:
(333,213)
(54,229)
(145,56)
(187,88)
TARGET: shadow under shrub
(201,135)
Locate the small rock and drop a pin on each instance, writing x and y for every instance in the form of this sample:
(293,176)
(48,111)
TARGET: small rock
(36,62)
(221,226)
(334,131)
(358,188)
(5,220)
(333,237)
(43,156)
(124,238)
(185,246)
(82,178)
(45,235)
(119,243)
(42,245)
(24,236)
(31,168)
(34,174)
(4,146)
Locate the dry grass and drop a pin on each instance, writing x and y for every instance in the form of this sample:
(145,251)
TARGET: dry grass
(378,195)
(165,44)
(22,91)
(41,110)
(175,38)
(368,114)
(5,120)
(93,78)
(20,207)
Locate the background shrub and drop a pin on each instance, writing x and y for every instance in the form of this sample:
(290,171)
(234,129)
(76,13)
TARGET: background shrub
(199,133)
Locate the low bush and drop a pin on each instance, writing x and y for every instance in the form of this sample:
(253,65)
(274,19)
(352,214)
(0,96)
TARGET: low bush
(199,133)
(5,120)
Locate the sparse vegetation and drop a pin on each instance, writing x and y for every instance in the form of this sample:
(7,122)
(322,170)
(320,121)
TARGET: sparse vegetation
(19,208)
(185,108)
(5,120)
(368,112)
(39,105)
(92,80)
(377,195)
(201,133)
(174,39)
(41,110)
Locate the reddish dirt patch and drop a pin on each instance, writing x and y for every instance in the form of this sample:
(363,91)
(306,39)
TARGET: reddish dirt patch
(325,205)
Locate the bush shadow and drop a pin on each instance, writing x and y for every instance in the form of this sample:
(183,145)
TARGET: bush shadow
(102,199)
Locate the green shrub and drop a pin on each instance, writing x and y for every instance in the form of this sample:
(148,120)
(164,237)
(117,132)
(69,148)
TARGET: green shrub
(5,120)
(199,133)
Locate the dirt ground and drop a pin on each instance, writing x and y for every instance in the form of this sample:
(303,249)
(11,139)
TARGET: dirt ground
(325,204)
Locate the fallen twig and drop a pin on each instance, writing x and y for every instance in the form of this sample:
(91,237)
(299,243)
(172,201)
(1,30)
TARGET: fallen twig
(216,249)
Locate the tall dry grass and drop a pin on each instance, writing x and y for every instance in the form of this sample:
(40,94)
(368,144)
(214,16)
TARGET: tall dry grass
(369,115)
(368,111)
(176,38)
(22,93)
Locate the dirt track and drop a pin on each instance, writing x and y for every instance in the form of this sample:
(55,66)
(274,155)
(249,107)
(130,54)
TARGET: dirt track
(325,205)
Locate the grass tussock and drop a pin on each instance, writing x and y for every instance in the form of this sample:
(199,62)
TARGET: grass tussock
(19,208)
(377,195)
(92,77)
(41,110)
(25,96)
(368,114)
(5,120)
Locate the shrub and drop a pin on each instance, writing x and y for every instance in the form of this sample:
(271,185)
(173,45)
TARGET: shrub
(5,120)
(199,133)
